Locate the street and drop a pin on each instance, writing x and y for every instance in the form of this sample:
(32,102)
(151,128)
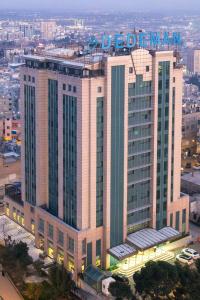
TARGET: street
(7,290)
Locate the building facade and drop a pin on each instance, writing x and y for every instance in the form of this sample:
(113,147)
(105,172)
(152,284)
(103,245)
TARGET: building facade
(48,29)
(193,61)
(101,153)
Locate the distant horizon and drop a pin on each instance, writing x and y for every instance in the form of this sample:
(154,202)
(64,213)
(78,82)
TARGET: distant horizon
(166,12)
(141,6)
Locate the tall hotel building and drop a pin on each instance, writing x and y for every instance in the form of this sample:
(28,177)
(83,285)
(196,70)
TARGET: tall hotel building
(101,155)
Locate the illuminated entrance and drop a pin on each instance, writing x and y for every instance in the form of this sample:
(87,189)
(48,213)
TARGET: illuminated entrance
(142,246)
(134,263)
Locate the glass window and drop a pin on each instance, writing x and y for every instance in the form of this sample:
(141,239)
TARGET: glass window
(99,89)
(60,237)
(74,89)
(50,231)
(171,219)
(69,87)
(64,87)
(177,220)
(71,245)
(147,68)
(84,247)
(24,77)
(130,70)
(98,253)
(32,209)
(33,79)
(184,216)
(41,225)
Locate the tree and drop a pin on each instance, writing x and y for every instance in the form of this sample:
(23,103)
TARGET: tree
(189,281)
(13,253)
(15,259)
(120,290)
(61,281)
(20,253)
(156,279)
(39,291)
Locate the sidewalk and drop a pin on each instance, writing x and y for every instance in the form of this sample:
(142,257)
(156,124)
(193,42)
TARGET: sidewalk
(7,290)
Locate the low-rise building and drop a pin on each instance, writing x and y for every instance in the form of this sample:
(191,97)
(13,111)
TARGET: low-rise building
(190,183)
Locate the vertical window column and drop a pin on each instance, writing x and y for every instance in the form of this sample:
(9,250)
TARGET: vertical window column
(30,144)
(99,162)
(70,159)
(162,144)
(53,145)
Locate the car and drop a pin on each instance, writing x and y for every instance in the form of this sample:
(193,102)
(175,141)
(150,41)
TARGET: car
(191,252)
(196,167)
(185,259)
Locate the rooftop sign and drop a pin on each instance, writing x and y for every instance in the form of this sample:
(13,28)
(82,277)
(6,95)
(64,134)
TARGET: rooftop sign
(130,40)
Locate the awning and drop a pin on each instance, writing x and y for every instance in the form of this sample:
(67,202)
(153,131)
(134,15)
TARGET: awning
(170,232)
(122,251)
(149,237)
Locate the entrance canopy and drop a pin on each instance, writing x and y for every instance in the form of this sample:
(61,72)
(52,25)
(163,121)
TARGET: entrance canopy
(94,276)
(122,251)
(149,237)
(142,240)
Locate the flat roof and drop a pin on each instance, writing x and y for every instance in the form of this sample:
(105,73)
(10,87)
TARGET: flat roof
(149,237)
(122,251)
(169,232)
(193,177)
(60,60)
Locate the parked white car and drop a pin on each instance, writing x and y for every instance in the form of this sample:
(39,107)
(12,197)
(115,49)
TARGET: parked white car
(185,259)
(191,252)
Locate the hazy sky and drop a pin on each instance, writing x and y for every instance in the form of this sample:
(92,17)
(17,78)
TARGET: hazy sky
(133,5)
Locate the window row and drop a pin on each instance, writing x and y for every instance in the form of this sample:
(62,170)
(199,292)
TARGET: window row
(29,78)
(69,88)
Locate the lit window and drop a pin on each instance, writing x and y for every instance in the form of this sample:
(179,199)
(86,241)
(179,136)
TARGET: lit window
(50,251)
(60,256)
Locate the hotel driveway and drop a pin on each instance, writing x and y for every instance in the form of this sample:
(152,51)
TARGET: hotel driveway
(7,290)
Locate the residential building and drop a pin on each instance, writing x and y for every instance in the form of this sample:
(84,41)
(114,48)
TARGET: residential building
(48,29)
(193,61)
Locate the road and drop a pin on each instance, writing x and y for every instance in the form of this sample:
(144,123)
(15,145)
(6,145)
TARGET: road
(7,290)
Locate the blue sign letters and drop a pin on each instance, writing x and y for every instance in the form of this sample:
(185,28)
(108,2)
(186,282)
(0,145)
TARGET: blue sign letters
(130,40)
